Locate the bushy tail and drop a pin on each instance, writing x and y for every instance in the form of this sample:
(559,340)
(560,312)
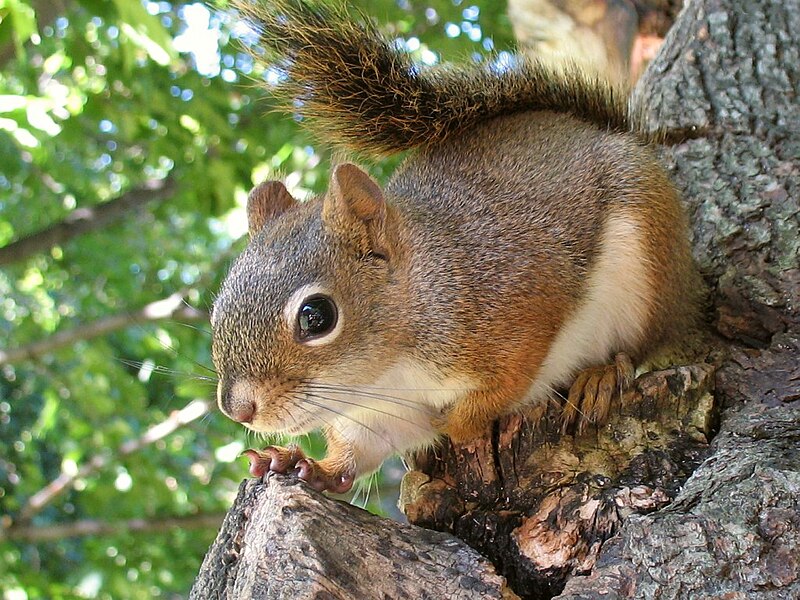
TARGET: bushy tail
(359,91)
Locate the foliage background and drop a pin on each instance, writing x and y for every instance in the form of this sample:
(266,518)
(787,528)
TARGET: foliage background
(97,98)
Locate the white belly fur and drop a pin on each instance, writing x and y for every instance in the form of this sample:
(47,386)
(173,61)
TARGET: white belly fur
(397,412)
(614,315)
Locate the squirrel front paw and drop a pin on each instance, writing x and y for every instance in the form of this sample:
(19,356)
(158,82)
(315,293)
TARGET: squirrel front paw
(321,475)
(276,459)
(592,392)
(461,432)
(468,420)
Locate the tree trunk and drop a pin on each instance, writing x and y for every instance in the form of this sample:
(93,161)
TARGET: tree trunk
(648,506)
(613,37)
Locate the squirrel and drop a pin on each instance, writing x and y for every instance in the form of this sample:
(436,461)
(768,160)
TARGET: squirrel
(530,240)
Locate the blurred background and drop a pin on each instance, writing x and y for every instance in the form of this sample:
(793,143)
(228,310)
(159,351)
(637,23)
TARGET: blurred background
(130,134)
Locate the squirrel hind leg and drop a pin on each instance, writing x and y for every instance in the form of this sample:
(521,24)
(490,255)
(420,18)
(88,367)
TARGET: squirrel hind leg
(593,392)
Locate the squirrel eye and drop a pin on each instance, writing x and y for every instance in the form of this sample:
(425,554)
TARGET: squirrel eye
(316,317)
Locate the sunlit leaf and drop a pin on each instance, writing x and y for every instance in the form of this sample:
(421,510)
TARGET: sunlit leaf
(145,30)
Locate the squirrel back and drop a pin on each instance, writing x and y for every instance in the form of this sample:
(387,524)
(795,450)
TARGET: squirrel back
(359,91)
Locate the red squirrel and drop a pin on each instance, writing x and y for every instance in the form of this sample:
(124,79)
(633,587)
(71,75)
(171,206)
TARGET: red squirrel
(529,241)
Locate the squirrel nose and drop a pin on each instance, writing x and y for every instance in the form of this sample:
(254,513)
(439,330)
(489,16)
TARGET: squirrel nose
(241,409)
(243,412)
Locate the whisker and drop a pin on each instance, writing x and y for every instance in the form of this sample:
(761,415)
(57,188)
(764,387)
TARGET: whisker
(394,389)
(357,392)
(557,393)
(354,420)
(406,403)
(202,366)
(362,490)
(376,487)
(289,414)
(372,408)
(566,402)
(194,327)
(331,424)
(297,403)
(162,370)
(175,352)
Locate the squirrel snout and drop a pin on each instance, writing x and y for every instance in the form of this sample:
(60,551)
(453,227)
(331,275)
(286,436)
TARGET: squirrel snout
(243,412)
(237,407)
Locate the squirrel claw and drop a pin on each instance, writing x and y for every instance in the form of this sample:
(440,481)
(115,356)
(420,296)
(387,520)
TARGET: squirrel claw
(273,458)
(590,396)
(276,459)
(315,475)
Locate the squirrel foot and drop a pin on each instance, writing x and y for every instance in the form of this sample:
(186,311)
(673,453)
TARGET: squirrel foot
(319,475)
(462,431)
(322,478)
(590,395)
(472,417)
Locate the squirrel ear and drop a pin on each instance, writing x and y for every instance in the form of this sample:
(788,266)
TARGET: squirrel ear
(266,201)
(356,206)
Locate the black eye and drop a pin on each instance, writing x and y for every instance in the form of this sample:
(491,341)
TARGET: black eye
(316,317)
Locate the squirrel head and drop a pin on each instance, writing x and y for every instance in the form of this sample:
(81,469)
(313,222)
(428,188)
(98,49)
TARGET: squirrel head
(307,303)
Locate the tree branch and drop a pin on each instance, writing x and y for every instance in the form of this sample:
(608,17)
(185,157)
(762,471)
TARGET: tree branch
(171,307)
(281,539)
(191,412)
(50,533)
(85,219)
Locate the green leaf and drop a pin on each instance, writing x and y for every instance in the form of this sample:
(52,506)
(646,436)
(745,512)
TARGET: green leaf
(23,20)
(145,31)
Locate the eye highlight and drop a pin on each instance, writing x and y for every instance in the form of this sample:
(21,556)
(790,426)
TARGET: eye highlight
(316,317)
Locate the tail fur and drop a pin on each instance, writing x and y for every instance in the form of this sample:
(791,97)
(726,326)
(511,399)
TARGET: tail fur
(359,91)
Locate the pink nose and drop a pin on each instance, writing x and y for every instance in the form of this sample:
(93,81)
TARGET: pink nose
(238,408)
(243,412)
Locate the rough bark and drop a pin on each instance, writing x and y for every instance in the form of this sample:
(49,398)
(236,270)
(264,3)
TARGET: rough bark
(647,507)
(734,529)
(541,504)
(282,540)
(729,77)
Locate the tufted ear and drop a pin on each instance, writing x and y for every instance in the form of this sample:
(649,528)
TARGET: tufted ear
(266,201)
(355,207)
